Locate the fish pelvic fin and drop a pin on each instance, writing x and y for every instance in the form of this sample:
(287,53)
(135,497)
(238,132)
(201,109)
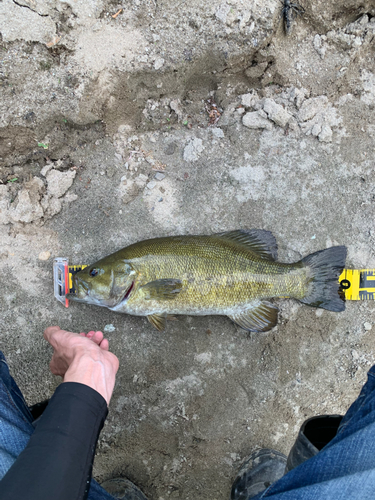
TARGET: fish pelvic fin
(158,321)
(164,289)
(325,269)
(260,317)
(261,242)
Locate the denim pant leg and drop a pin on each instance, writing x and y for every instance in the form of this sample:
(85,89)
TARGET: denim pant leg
(16,428)
(345,468)
(15,419)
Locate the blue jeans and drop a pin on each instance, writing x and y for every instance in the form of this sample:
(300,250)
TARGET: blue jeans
(345,468)
(16,428)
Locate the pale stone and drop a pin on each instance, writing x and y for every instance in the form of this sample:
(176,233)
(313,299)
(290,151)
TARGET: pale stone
(276,113)
(254,120)
(59,182)
(44,255)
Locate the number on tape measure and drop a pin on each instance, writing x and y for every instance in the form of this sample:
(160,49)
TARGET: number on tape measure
(358,284)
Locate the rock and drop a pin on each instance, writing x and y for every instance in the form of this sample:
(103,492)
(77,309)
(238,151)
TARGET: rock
(159,62)
(159,176)
(27,207)
(193,149)
(151,185)
(53,206)
(276,113)
(46,169)
(255,120)
(298,96)
(44,255)
(367,326)
(311,107)
(317,128)
(318,46)
(26,24)
(326,133)
(248,100)
(109,328)
(59,182)
(175,106)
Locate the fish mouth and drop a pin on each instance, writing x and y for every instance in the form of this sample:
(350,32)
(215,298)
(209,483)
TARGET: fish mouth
(127,293)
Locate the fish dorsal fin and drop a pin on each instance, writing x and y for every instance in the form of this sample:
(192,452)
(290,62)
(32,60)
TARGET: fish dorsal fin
(158,321)
(259,318)
(258,241)
(164,289)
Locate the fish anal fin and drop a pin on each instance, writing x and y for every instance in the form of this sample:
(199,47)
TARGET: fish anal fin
(258,241)
(158,321)
(259,318)
(164,289)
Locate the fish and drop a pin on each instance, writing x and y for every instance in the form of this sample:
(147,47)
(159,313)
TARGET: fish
(233,273)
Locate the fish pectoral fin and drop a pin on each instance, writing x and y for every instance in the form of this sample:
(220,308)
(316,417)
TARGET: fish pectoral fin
(260,318)
(258,241)
(158,321)
(165,289)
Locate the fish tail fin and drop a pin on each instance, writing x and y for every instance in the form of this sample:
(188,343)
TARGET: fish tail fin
(325,268)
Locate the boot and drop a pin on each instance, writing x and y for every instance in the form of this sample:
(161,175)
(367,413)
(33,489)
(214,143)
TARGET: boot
(123,489)
(266,466)
(260,470)
(314,434)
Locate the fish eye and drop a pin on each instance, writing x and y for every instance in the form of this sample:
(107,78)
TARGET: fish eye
(93,272)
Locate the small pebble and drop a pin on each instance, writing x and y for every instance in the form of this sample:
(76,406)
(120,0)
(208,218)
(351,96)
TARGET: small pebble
(151,185)
(44,255)
(109,328)
(159,176)
(367,326)
(160,199)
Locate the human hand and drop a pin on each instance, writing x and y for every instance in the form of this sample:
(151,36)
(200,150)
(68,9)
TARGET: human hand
(83,358)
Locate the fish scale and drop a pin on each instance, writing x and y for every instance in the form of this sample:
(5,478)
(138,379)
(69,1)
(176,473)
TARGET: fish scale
(228,279)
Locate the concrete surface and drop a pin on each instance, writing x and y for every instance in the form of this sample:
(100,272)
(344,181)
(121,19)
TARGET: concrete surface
(105,140)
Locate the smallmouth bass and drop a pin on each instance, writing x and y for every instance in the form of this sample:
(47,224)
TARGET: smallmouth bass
(234,273)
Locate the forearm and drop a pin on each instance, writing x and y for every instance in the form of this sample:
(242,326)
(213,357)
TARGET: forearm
(57,462)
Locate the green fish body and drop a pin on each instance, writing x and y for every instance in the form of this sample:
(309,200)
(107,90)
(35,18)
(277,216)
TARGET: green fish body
(233,274)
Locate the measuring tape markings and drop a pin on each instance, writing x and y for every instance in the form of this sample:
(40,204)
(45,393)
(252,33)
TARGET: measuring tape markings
(358,284)
(355,284)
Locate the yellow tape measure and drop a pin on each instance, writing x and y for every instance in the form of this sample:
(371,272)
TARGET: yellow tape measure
(73,270)
(355,284)
(358,284)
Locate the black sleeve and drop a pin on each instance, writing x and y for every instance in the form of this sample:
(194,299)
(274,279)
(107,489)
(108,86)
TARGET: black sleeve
(57,462)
